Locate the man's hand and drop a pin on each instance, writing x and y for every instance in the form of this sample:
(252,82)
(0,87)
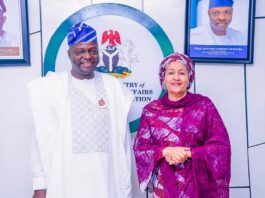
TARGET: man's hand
(39,193)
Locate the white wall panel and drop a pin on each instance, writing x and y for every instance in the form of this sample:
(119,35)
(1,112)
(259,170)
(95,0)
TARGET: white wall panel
(34,15)
(57,11)
(257,171)
(256,87)
(224,84)
(260,8)
(239,193)
(16,125)
(133,3)
(170,15)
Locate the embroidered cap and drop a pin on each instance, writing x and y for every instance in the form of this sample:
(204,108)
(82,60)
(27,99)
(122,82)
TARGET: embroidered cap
(80,33)
(221,3)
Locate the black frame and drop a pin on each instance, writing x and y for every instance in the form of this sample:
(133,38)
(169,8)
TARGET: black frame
(23,59)
(205,57)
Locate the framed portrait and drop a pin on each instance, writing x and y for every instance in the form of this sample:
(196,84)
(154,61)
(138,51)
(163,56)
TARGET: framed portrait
(220,31)
(14,37)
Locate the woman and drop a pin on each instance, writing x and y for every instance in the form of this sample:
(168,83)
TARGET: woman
(182,147)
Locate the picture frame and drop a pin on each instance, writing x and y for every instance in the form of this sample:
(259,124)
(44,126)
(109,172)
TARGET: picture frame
(14,41)
(205,40)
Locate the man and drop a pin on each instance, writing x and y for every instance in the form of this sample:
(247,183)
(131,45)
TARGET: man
(81,147)
(217,31)
(6,39)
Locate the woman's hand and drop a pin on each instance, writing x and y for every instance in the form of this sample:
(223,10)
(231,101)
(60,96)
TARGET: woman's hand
(176,155)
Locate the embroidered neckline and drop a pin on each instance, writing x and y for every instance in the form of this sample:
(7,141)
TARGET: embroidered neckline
(99,88)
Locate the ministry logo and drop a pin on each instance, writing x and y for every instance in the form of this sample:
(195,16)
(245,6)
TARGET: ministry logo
(117,56)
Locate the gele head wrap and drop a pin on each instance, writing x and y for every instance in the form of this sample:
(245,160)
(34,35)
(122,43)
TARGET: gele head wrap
(177,57)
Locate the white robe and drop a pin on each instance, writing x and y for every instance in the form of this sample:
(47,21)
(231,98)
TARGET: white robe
(203,35)
(52,158)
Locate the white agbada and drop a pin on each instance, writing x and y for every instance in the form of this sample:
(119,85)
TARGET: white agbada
(90,174)
(203,35)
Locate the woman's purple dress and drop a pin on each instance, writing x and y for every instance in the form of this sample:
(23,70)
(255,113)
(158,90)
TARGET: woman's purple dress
(192,122)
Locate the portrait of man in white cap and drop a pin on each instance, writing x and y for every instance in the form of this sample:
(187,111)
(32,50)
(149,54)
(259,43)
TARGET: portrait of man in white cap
(217,31)
(7,39)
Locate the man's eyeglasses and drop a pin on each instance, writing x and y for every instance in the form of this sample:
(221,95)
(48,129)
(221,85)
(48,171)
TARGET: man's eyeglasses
(216,13)
(92,52)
